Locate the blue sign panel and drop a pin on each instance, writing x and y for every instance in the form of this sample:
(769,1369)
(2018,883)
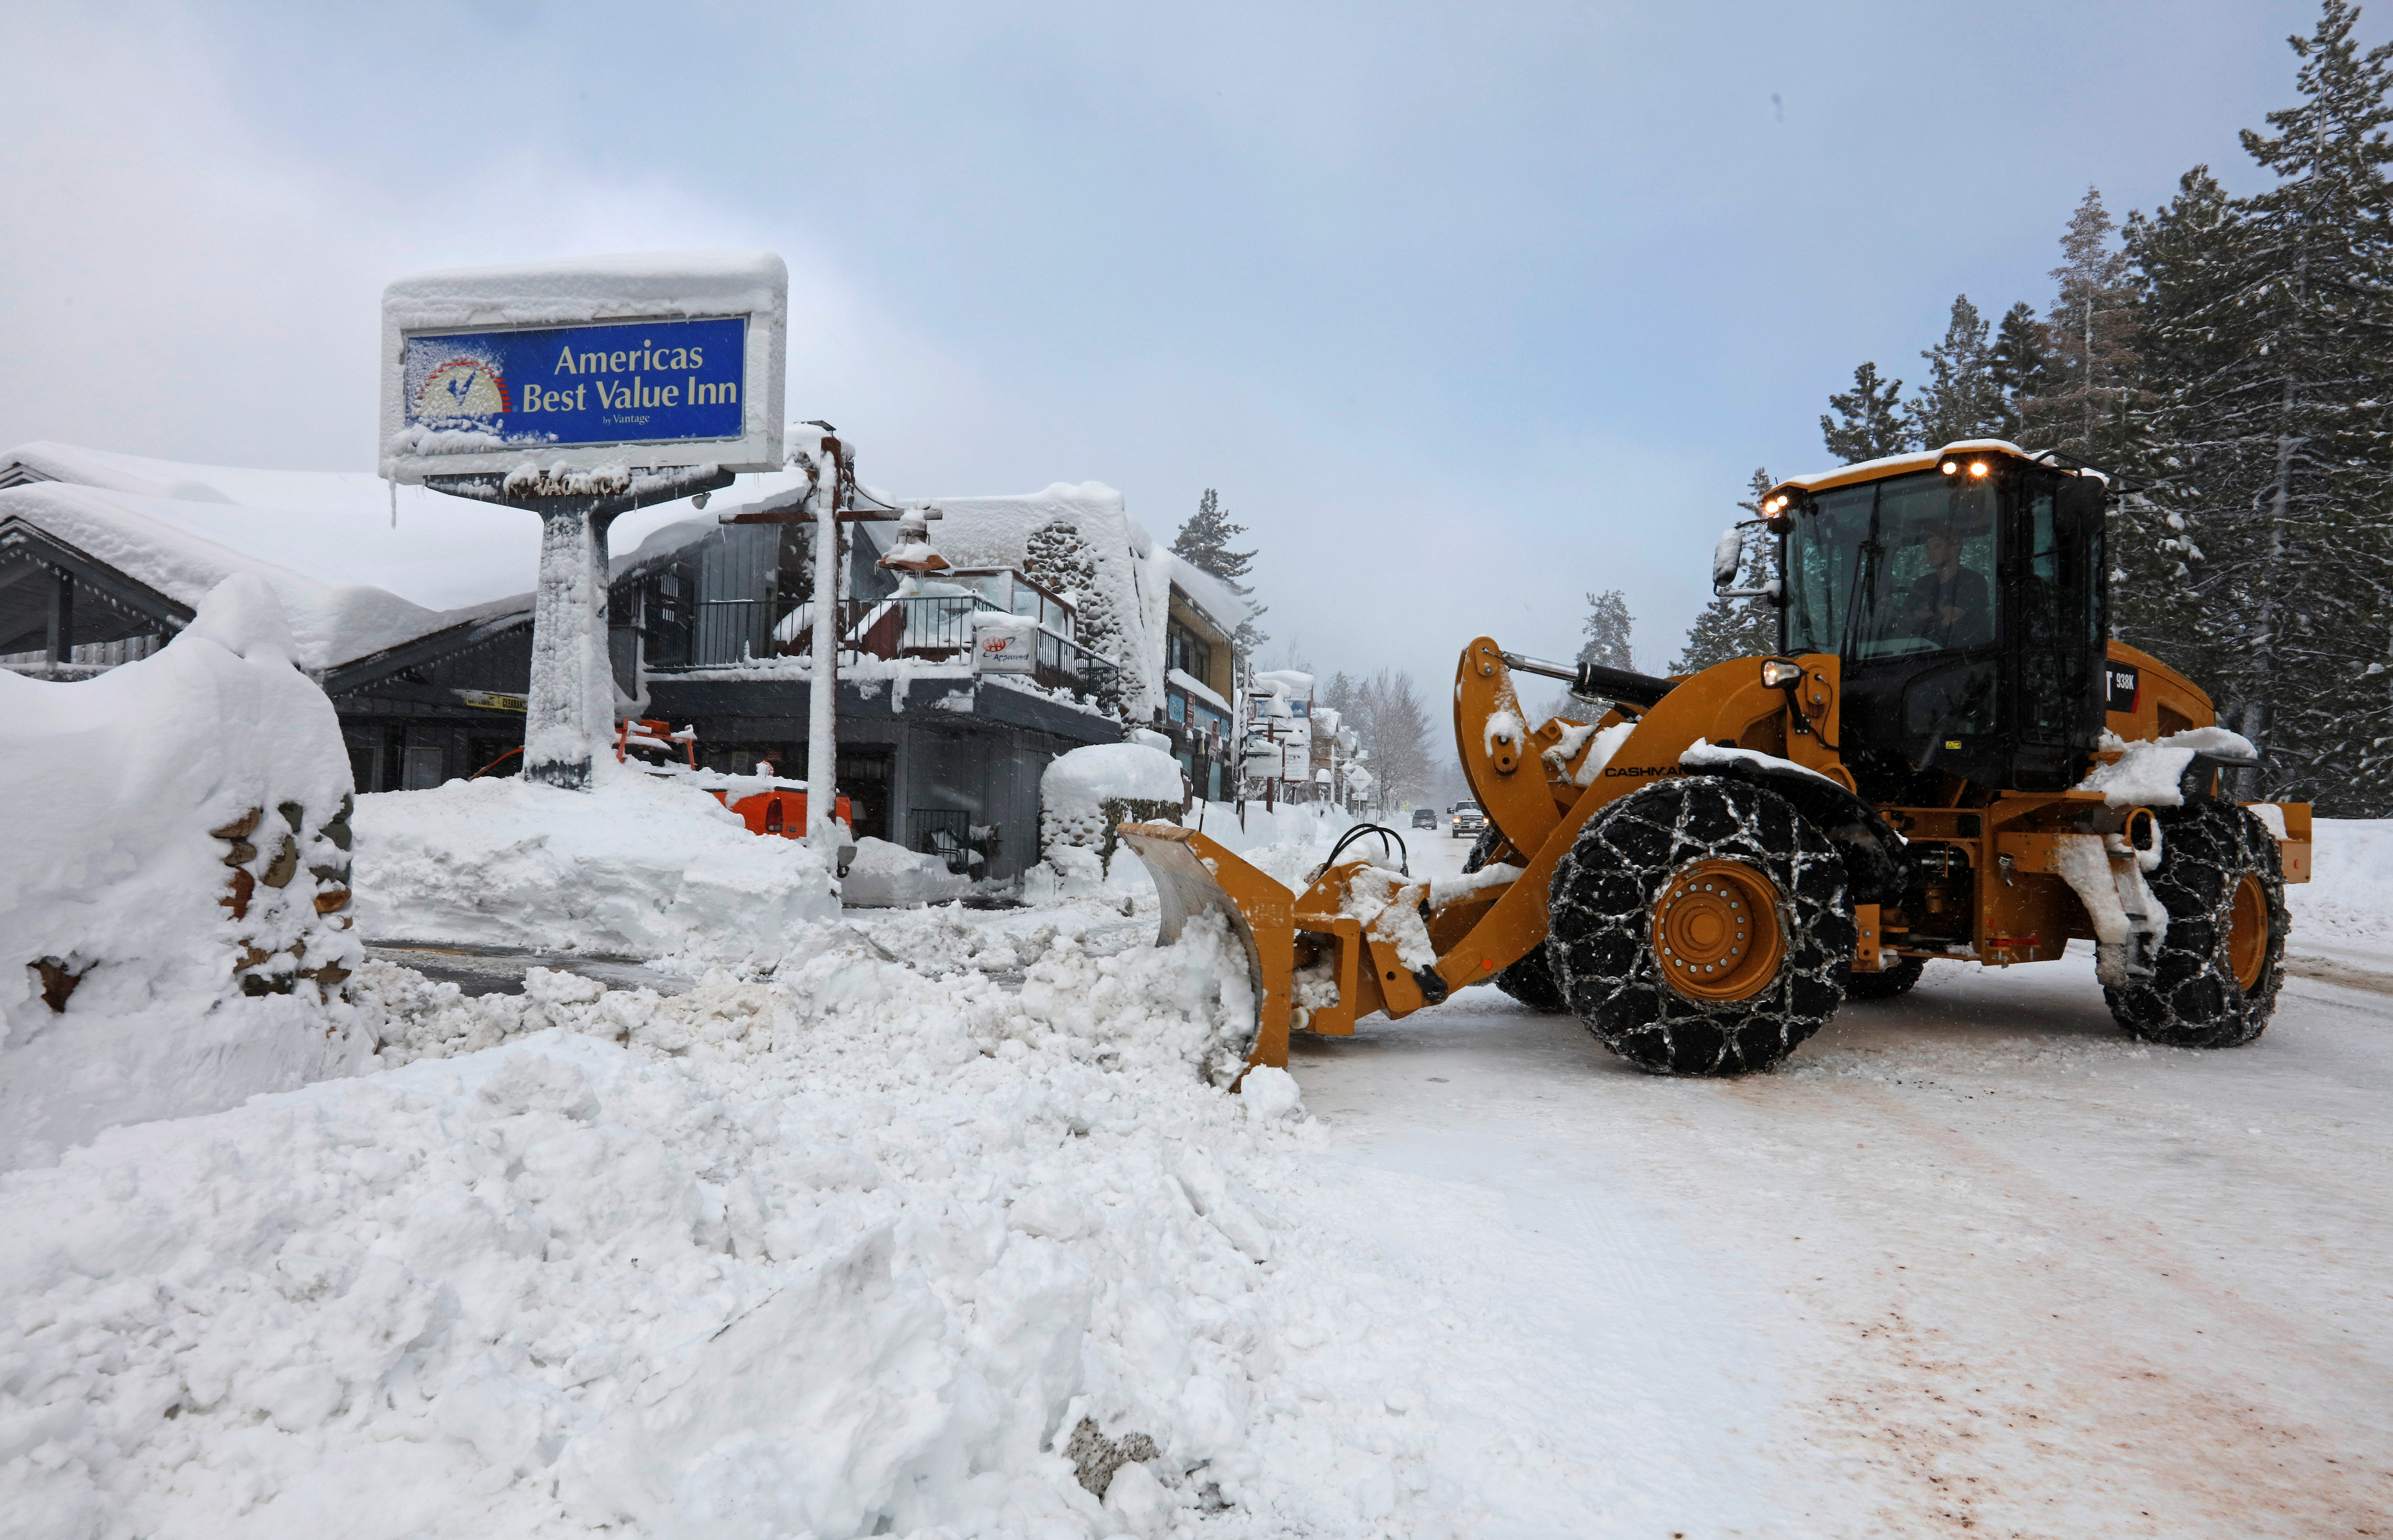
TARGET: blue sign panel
(639,382)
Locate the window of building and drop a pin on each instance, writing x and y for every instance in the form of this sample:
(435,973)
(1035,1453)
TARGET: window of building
(1188,652)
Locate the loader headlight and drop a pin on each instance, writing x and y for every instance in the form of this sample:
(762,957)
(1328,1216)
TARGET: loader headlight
(1777,673)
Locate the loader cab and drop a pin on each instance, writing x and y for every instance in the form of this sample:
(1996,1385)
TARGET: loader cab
(1964,594)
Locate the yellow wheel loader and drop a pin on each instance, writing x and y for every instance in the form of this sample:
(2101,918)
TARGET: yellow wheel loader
(1948,758)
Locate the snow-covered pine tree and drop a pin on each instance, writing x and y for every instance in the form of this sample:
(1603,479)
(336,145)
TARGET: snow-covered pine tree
(2184,258)
(2019,365)
(2277,331)
(1057,557)
(1607,630)
(1738,628)
(1204,542)
(2086,408)
(1867,421)
(1961,399)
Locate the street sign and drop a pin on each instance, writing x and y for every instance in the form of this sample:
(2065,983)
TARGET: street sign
(593,364)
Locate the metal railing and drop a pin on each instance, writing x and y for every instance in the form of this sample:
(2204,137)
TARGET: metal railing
(937,629)
(945,833)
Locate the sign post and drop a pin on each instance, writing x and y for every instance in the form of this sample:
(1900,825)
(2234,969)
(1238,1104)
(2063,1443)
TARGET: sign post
(580,391)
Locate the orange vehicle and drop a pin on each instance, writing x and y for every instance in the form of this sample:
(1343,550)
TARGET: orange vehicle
(768,804)
(1947,758)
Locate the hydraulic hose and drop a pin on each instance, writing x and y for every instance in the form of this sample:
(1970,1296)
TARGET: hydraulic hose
(1404,861)
(1595,680)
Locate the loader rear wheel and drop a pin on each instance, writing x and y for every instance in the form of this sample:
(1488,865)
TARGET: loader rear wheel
(2216,977)
(1896,980)
(1700,927)
(1531,981)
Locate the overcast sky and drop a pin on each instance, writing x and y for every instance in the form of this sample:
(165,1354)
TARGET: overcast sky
(1466,310)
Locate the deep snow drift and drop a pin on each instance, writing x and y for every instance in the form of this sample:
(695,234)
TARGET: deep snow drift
(2347,906)
(851,1252)
(109,791)
(639,866)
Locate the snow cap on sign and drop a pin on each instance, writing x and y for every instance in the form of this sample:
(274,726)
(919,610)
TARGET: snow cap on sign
(587,288)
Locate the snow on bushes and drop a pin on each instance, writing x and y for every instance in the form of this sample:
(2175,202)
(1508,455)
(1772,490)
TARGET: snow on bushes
(852,1252)
(1085,795)
(172,922)
(638,866)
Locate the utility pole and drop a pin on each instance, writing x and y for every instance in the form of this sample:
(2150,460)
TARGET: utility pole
(822,698)
(820,504)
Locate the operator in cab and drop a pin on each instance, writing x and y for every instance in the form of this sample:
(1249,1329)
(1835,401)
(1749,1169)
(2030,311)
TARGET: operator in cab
(1949,605)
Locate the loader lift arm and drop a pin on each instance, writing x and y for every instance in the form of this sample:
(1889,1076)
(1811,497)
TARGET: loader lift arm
(1347,948)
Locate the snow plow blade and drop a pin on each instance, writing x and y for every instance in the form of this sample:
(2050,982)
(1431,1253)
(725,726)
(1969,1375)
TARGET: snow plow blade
(1194,874)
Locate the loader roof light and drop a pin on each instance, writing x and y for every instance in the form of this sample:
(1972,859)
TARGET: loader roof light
(1977,468)
(1949,468)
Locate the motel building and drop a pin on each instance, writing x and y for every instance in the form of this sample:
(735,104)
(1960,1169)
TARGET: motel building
(413,611)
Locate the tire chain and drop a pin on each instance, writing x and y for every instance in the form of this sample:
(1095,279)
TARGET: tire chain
(2193,999)
(1601,940)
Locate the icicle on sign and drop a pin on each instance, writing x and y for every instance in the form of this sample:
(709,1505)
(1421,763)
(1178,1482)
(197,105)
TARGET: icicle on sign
(598,363)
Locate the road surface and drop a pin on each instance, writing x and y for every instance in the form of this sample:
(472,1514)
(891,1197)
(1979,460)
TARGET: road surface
(1971,1262)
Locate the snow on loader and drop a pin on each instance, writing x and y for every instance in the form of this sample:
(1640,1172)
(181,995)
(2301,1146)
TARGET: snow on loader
(1947,758)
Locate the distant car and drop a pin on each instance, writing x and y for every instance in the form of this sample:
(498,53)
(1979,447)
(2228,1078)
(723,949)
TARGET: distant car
(1424,817)
(1467,820)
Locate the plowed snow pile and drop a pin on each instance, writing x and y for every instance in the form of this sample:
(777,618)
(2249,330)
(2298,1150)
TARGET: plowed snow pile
(854,1251)
(639,866)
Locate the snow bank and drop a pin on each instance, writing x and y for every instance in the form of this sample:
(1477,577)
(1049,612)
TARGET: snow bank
(888,876)
(853,1252)
(149,967)
(2348,902)
(638,866)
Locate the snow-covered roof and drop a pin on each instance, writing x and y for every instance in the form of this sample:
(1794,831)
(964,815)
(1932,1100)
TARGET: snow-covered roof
(1209,594)
(444,553)
(148,538)
(356,585)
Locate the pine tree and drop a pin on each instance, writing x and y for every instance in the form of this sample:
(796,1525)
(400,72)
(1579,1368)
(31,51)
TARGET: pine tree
(1607,631)
(2271,335)
(2019,364)
(1057,557)
(1204,542)
(1962,398)
(2085,408)
(1737,628)
(1866,422)
(2184,258)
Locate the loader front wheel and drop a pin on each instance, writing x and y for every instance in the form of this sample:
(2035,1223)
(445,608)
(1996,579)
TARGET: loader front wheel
(2216,976)
(1531,981)
(1896,980)
(1700,927)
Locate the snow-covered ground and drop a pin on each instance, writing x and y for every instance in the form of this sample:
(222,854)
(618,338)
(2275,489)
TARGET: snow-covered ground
(855,1247)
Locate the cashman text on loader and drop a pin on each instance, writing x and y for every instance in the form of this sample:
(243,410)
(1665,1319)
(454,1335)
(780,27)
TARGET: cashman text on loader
(1948,757)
